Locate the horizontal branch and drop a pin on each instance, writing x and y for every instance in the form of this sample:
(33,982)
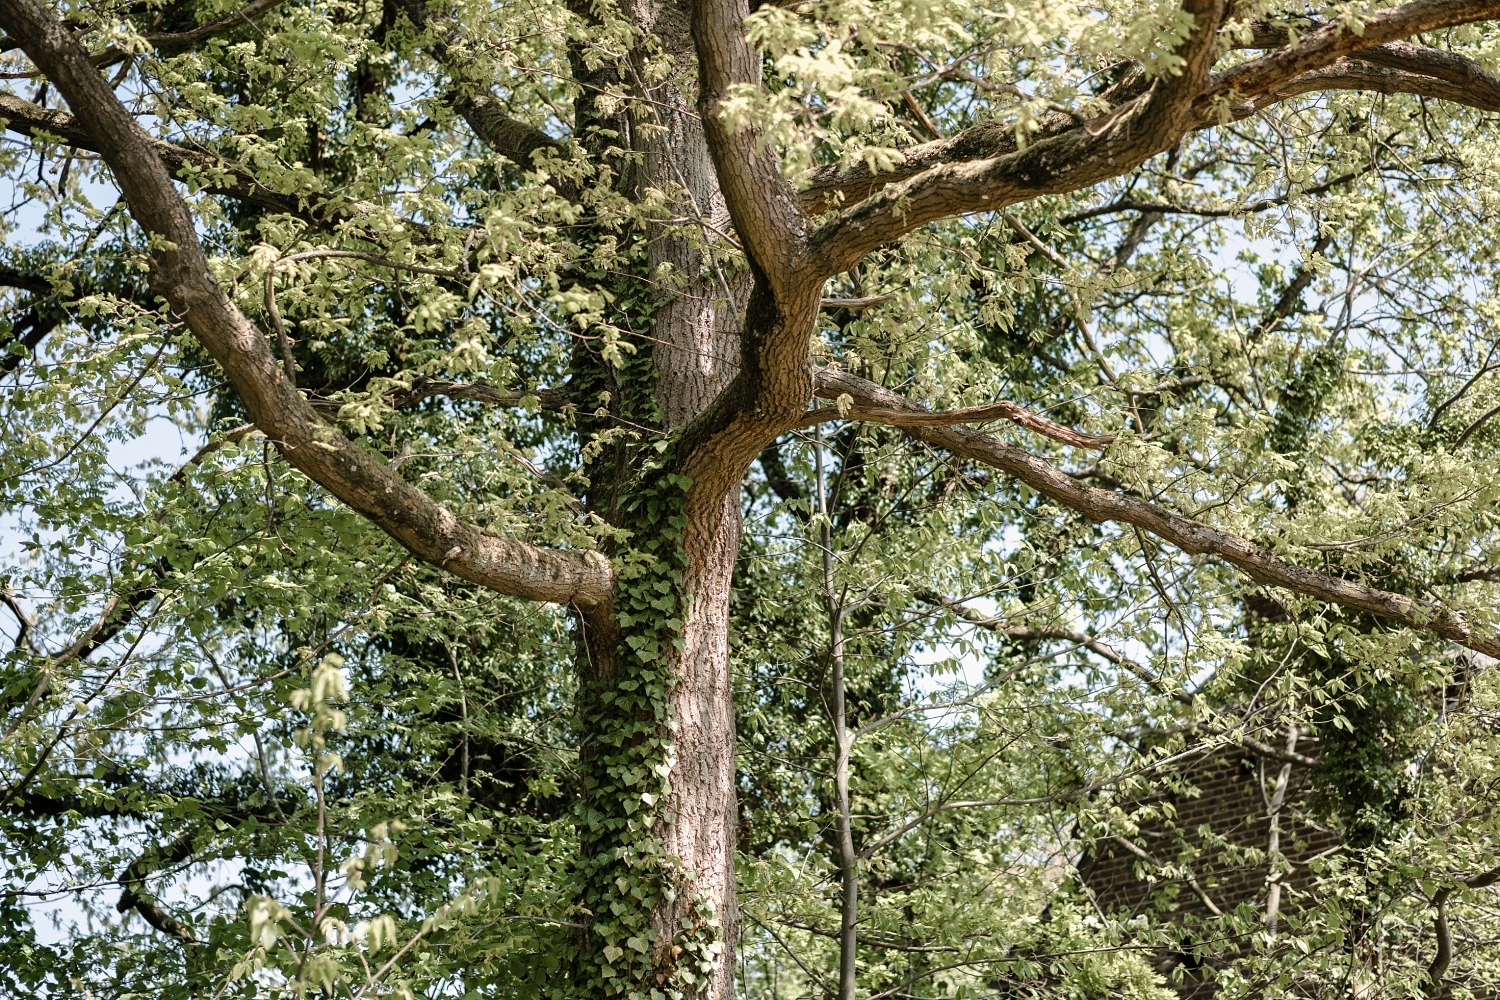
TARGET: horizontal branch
(551,400)
(174,40)
(1106,652)
(1330,42)
(1192,537)
(857,304)
(904,418)
(1360,75)
(1210,212)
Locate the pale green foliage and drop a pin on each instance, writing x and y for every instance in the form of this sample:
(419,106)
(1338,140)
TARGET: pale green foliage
(278,635)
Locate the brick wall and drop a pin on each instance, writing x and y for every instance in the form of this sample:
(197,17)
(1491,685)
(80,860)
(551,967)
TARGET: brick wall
(1197,843)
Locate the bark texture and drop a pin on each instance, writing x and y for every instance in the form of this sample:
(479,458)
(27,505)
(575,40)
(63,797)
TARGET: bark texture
(724,366)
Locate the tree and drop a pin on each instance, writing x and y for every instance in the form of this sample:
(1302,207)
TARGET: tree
(548,293)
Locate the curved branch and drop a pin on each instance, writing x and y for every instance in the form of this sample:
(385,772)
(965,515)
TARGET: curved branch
(476,104)
(1327,44)
(903,418)
(1106,146)
(1360,75)
(1438,968)
(181,275)
(1192,537)
(983,169)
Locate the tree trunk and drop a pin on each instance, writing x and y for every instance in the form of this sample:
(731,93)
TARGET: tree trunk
(674,857)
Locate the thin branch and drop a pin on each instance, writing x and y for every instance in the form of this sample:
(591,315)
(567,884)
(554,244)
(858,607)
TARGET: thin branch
(119,610)
(1003,410)
(24,619)
(176,40)
(1192,880)
(848,859)
(1483,419)
(209,171)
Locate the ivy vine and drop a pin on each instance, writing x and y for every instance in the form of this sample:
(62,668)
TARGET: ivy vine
(626,873)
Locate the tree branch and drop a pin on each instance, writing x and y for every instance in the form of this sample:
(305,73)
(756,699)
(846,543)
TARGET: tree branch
(176,40)
(551,400)
(761,203)
(1359,75)
(181,275)
(982,169)
(211,172)
(1106,146)
(135,896)
(1433,988)
(1105,652)
(1192,537)
(903,418)
(477,104)
(1331,42)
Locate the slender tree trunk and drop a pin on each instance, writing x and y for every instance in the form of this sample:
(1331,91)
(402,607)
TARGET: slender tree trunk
(848,860)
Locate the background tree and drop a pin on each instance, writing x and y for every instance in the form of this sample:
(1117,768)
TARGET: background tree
(1166,332)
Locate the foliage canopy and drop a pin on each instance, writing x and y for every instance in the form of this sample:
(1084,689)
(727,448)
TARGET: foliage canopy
(655,499)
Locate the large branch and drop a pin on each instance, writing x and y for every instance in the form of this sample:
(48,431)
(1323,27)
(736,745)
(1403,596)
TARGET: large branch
(761,203)
(1329,43)
(983,169)
(174,41)
(1362,75)
(475,102)
(983,414)
(1107,146)
(1188,535)
(771,390)
(181,276)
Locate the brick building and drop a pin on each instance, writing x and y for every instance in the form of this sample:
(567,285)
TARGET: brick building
(1225,829)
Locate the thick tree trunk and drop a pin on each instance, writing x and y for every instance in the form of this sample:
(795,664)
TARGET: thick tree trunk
(694,349)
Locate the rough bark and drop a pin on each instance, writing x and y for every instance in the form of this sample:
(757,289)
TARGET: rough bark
(697,305)
(729,356)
